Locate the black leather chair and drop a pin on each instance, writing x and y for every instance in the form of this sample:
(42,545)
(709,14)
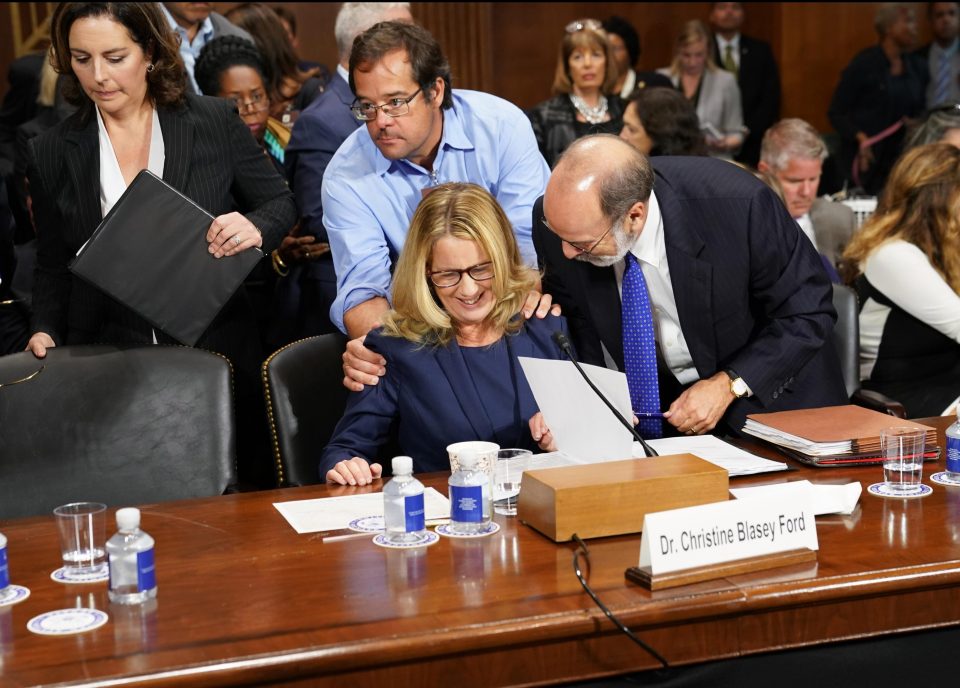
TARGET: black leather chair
(305,398)
(847,341)
(117,425)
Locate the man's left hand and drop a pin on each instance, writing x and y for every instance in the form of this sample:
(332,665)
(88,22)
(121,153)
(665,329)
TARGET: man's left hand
(700,407)
(541,304)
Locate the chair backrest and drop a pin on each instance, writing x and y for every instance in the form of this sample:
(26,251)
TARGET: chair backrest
(847,335)
(116,425)
(305,398)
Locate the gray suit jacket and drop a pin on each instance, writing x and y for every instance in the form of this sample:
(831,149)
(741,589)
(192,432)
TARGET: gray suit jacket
(833,225)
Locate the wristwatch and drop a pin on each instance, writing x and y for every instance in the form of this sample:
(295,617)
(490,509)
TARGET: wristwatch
(738,387)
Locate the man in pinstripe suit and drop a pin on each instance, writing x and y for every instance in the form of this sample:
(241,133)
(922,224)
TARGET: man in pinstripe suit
(742,308)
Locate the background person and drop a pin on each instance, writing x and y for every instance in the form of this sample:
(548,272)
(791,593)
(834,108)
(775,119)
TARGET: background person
(625,47)
(451,343)
(585,80)
(712,91)
(660,121)
(905,265)
(941,124)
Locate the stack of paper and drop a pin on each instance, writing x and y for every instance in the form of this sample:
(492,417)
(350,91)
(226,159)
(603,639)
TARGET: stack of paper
(833,435)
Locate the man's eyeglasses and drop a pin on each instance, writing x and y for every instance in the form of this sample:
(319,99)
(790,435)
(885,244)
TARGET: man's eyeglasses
(576,246)
(258,103)
(451,278)
(583,24)
(397,107)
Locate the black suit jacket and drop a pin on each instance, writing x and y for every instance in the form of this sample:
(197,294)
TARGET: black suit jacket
(751,292)
(759,81)
(210,156)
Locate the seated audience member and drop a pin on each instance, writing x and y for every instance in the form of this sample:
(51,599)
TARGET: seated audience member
(880,90)
(625,47)
(419,133)
(793,153)
(660,121)
(291,89)
(584,83)
(196,24)
(713,91)
(451,343)
(689,275)
(942,124)
(905,265)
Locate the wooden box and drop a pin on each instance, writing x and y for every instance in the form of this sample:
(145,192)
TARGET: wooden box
(612,498)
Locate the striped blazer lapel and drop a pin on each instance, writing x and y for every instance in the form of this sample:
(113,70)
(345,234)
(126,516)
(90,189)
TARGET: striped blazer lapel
(82,159)
(178,145)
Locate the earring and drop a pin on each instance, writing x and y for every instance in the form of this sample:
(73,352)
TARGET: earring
(150,67)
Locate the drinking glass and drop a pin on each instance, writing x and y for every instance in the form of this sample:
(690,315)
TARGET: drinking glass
(82,527)
(511,463)
(902,452)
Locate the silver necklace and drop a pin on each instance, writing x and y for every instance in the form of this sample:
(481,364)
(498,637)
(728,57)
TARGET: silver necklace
(593,115)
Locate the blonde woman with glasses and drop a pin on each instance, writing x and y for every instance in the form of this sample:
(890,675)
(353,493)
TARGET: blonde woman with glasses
(451,343)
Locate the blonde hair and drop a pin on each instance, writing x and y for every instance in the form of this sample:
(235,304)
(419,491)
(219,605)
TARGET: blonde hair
(692,32)
(464,211)
(920,205)
(590,39)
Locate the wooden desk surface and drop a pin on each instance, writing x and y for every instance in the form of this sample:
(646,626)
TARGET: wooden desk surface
(243,599)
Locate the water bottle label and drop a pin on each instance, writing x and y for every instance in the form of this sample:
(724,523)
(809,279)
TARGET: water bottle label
(4,571)
(466,504)
(146,574)
(414,514)
(953,454)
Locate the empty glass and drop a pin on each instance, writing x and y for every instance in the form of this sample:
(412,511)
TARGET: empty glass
(82,527)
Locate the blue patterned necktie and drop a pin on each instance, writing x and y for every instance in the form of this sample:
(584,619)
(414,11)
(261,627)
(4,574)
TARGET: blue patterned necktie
(639,348)
(943,80)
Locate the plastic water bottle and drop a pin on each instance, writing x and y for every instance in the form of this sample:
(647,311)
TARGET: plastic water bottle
(133,578)
(471,500)
(4,570)
(403,511)
(953,449)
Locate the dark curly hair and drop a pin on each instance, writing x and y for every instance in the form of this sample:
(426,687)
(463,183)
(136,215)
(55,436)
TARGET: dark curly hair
(628,34)
(221,54)
(148,28)
(670,121)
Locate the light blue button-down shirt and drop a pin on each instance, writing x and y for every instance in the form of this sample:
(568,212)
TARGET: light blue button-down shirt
(190,51)
(368,200)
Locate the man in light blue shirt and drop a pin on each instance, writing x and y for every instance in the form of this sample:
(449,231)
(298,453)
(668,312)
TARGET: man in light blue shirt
(197,24)
(419,133)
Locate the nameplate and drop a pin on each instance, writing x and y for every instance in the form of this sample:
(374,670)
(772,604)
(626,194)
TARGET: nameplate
(711,534)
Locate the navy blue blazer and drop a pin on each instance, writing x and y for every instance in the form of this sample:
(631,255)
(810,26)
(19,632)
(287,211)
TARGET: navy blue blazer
(751,292)
(429,394)
(316,136)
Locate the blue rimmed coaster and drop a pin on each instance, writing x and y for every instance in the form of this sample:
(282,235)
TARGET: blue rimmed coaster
(881,490)
(67,621)
(428,538)
(447,531)
(368,524)
(942,478)
(13,594)
(62,575)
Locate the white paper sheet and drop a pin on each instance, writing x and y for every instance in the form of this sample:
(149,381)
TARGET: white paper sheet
(824,499)
(716,451)
(581,423)
(335,513)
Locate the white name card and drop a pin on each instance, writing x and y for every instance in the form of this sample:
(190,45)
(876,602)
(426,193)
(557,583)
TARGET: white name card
(725,531)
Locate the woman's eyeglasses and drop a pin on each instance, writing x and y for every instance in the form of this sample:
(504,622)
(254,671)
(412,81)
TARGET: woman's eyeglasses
(258,102)
(451,278)
(583,24)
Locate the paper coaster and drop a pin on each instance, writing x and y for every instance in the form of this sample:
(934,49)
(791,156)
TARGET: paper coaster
(942,478)
(881,490)
(61,575)
(368,524)
(447,531)
(13,594)
(67,621)
(428,538)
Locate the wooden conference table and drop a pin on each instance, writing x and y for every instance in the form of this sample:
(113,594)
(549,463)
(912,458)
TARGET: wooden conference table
(244,600)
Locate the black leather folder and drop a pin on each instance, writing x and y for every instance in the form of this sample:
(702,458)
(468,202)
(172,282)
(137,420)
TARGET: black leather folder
(150,254)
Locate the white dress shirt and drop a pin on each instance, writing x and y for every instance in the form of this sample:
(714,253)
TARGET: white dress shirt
(190,51)
(806,224)
(734,44)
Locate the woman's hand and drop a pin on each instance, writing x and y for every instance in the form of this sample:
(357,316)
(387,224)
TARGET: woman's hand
(232,233)
(541,433)
(39,343)
(355,471)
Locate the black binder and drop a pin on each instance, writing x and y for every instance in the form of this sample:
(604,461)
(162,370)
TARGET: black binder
(150,254)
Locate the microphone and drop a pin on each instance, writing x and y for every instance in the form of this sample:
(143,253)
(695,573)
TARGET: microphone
(563,341)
